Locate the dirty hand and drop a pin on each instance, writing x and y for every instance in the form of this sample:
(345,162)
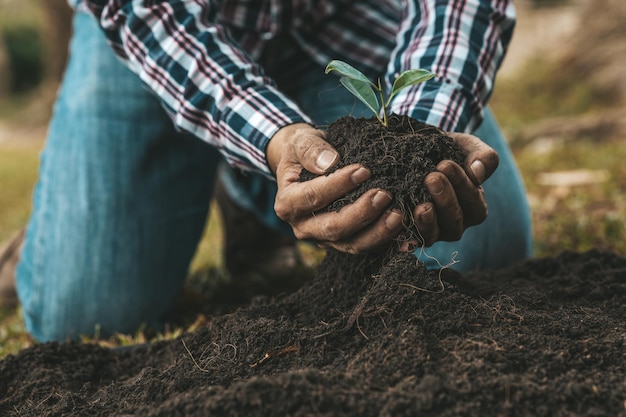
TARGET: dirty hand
(458,197)
(357,227)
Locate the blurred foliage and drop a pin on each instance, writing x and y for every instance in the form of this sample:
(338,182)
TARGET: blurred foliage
(577,217)
(18,172)
(549,3)
(25,53)
(570,217)
(21,24)
(543,90)
(13,336)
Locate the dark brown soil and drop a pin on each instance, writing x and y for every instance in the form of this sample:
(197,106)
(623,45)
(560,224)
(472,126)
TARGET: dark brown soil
(543,338)
(370,335)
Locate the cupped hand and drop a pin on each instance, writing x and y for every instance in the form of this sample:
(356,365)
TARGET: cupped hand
(363,225)
(458,198)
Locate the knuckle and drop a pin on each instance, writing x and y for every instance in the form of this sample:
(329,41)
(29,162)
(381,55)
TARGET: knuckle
(332,234)
(312,198)
(300,234)
(282,210)
(304,148)
(493,157)
(481,217)
(479,212)
(352,250)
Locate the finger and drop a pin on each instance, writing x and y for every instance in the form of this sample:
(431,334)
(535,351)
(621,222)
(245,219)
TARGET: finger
(426,223)
(335,226)
(376,235)
(298,199)
(470,197)
(449,212)
(481,159)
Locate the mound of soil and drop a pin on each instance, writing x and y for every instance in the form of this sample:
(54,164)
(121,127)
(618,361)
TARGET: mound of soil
(543,338)
(370,335)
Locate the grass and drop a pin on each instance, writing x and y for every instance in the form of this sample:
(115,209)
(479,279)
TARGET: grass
(18,172)
(550,91)
(20,13)
(566,216)
(576,217)
(583,216)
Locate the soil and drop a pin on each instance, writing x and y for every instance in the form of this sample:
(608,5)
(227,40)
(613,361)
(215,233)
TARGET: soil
(542,338)
(369,335)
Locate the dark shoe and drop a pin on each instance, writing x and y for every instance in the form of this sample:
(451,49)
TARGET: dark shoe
(9,257)
(257,257)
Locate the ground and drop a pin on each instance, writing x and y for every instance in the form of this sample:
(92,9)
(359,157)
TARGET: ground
(542,338)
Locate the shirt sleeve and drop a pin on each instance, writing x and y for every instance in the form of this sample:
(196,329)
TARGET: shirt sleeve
(206,83)
(463,42)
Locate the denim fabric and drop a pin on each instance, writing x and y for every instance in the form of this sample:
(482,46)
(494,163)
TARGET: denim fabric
(122,199)
(119,207)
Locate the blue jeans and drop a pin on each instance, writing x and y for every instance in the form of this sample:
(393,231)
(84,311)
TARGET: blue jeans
(122,199)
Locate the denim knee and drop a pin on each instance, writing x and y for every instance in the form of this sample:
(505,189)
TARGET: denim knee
(119,206)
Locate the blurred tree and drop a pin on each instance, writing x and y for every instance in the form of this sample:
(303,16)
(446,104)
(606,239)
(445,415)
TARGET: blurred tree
(5,70)
(57,30)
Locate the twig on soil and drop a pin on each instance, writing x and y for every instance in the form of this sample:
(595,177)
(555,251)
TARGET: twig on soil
(284,351)
(356,313)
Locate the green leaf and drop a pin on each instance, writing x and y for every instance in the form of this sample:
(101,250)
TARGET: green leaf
(347,70)
(408,78)
(362,91)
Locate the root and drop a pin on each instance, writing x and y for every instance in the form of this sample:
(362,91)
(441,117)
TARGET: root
(211,358)
(453,261)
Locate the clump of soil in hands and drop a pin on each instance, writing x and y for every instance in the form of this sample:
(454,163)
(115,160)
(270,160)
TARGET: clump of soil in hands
(399,156)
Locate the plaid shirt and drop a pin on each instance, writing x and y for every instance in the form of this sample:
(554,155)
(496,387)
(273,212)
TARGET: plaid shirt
(201,58)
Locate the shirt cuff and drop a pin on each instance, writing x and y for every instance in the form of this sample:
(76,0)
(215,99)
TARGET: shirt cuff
(251,120)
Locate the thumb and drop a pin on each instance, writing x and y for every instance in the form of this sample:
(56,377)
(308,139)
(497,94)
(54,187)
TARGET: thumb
(313,152)
(307,146)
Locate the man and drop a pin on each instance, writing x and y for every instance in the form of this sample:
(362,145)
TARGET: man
(134,146)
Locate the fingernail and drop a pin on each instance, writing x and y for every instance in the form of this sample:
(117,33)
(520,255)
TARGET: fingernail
(326,159)
(427,216)
(381,199)
(435,186)
(361,175)
(393,220)
(478,168)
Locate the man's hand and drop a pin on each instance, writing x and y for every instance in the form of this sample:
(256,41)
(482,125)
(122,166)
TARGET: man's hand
(357,227)
(458,197)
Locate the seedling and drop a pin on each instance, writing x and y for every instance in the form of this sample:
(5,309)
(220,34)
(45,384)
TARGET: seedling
(362,88)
